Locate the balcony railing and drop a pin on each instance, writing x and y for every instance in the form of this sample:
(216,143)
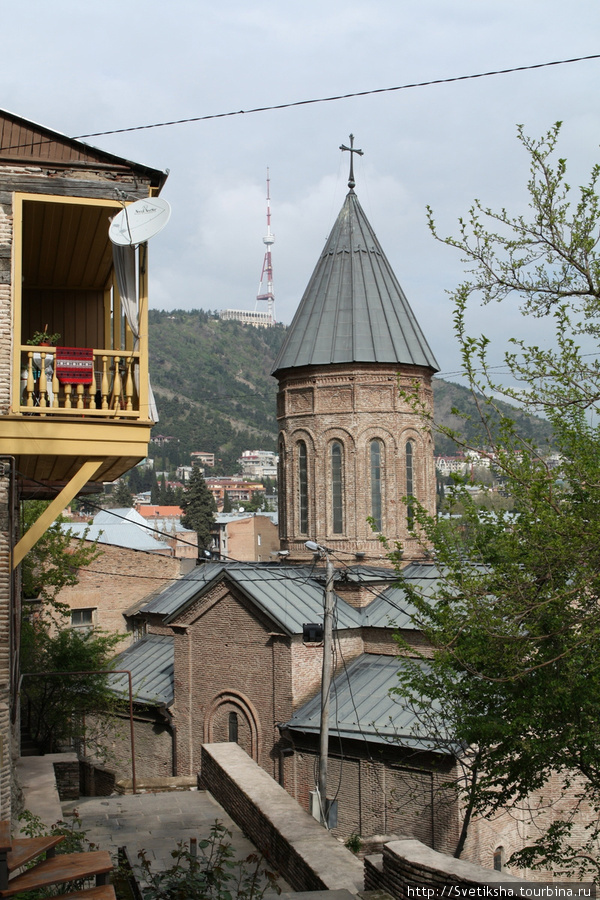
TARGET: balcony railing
(112,392)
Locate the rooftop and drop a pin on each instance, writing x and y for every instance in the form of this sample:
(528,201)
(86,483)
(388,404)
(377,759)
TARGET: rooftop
(354,309)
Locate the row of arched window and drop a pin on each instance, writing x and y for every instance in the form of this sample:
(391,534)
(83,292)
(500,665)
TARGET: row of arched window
(337,486)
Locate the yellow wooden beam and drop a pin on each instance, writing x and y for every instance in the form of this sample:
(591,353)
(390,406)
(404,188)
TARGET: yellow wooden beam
(60,502)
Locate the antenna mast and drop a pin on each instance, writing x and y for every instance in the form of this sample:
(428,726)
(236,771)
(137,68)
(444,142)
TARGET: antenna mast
(267,269)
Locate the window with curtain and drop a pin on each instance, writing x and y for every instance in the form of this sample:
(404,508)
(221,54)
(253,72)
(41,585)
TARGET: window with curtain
(410,513)
(302,488)
(337,488)
(376,452)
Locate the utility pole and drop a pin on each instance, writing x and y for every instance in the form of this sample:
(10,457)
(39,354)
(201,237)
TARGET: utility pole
(325,678)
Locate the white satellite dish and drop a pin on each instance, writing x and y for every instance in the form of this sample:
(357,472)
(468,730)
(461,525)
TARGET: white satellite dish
(139,221)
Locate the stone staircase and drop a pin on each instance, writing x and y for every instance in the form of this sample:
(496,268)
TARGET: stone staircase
(51,868)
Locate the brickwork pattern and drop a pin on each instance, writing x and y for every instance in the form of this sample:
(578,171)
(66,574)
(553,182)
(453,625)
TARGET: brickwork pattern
(228,660)
(307,662)
(377,794)
(95,780)
(119,579)
(67,779)
(302,851)
(354,405)
(6,650)
(409,862)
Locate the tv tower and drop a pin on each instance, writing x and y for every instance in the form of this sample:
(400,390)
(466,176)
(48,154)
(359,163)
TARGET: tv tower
(267,269)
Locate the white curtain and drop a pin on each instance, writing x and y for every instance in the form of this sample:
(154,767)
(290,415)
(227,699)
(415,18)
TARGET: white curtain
(126,272)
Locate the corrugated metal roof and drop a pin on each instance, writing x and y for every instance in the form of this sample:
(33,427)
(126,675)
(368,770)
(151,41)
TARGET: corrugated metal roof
(354,309)
(151,663)
(361,706)
(293,595)
(120,528)
(287,594)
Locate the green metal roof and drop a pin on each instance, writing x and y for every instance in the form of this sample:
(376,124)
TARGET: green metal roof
(354,309)
(151,663)
(361,707)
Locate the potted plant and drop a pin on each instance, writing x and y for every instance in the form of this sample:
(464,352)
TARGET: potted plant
(44,338)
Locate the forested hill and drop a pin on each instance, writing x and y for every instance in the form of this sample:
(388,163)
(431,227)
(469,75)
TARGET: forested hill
(214,391)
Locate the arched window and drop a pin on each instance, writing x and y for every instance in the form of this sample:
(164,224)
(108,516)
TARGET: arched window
(410,513)
(376,453)
(302,488)
(499,858)
(233,727)
(337,488)
(281,489)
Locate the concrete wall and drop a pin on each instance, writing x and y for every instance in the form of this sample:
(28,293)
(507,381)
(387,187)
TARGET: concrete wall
(307,856)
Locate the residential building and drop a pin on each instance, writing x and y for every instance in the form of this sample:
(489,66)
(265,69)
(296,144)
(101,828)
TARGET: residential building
(77,414)
(201,458)
(166,520)
(258,464)
(248,537)
(238,491)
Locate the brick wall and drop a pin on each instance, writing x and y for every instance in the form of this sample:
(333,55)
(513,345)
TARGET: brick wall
(409,862)
(253,539)
(228,661)
(8,747)
(154,746)
(307,662)
(118,580)
(380,790)
(67,779)
(353,404)
(95,780)
(307,856)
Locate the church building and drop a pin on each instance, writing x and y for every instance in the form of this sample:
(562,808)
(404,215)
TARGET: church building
(234,651)
(351,447)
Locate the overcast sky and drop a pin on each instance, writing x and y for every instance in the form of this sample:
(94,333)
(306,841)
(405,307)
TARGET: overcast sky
(79,67)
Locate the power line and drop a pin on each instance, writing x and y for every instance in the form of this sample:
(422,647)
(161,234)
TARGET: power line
(335,97)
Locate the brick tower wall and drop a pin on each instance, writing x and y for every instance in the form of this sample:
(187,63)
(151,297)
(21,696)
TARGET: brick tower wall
(353,405)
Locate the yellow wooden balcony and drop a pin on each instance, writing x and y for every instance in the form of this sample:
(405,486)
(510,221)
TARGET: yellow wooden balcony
(66,435)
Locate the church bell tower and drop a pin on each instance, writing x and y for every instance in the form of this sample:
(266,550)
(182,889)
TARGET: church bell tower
(352,451)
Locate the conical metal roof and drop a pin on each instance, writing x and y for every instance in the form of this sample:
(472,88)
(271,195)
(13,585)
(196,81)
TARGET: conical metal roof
(354,309)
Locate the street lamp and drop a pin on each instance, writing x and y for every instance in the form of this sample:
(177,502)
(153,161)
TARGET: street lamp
(325,678)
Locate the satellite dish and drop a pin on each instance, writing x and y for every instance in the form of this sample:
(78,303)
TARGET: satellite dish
(139,221)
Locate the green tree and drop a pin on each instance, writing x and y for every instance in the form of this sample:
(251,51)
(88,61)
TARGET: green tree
(56,707)
(122,496)
(199,509)
(226,503)
(54,561)
(514,621)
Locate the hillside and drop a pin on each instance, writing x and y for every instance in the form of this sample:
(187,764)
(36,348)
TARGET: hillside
(214,391)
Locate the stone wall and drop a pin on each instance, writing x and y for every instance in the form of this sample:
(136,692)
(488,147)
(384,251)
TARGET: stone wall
(306,855)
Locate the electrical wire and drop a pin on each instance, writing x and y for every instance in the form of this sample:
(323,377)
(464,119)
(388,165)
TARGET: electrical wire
(335,97)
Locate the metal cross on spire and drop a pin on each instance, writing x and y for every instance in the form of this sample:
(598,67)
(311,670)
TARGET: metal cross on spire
(351,149)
